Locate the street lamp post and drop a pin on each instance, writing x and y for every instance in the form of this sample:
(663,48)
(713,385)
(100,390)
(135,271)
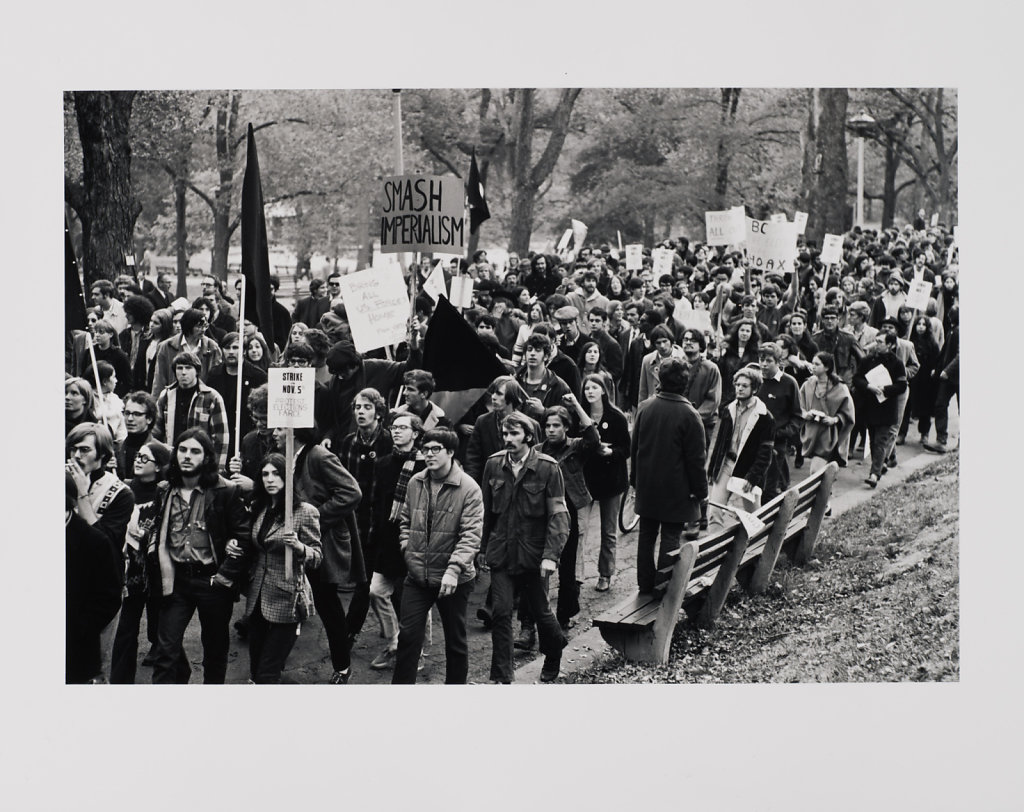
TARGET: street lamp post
(861,125)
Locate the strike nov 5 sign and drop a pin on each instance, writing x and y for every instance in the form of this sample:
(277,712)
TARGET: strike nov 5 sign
(290,397)
(423,213)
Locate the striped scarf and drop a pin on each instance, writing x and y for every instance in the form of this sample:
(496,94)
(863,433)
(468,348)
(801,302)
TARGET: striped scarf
(409,459)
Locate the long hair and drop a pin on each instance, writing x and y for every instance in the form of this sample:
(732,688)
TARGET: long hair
(606,400)
(924,343)
(515,395)
(166,319)
(829,362)
(599,366)
(734,336)
(209,473)
(83,386)
(261,500)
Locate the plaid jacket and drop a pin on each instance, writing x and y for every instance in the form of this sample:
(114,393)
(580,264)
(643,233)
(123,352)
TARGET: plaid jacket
(276,592)
(206,410)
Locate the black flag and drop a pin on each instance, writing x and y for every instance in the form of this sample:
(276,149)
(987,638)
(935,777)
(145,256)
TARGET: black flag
(462,365)
(478,211)
(74,298)
(255,255)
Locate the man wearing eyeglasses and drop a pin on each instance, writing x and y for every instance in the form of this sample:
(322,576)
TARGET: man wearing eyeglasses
(139,417)
(441,521)
(192,338)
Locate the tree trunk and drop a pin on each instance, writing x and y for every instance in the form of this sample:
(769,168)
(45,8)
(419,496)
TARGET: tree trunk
(832,182)
(527,177)
(227,122)
(729,100)
(180,234)
(108,210)
(810,168)
(892,164)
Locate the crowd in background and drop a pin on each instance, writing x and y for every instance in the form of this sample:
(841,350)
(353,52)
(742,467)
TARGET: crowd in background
(699,386)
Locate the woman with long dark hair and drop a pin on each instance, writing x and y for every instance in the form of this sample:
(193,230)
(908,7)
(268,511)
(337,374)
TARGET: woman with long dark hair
(828,411)
(740,350)
(278,599)
(924,386)
(592,363)
(606,475)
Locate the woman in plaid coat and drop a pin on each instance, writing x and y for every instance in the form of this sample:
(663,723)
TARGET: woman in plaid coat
(278,601)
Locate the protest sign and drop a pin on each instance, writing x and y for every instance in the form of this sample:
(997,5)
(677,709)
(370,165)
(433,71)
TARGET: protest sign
(935,219)
(725,227)
(634,257)
(423,213)
(579,235)
(290,397)
(434,285)
(699,320)
(777,218)
(563,243)
(800,221)
(919,294)
(377,304)
(832,249)
(462,291)
(662,261)
(771,247)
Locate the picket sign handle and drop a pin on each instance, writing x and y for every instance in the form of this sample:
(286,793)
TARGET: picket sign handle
(289,491)
(96,374)
(241,363)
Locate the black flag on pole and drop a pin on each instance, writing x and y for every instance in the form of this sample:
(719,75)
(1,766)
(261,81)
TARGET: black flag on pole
(74,298)
(478,211)
(462,365)
(255,254)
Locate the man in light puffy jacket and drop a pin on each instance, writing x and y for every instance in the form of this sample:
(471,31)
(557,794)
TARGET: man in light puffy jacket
(440,526)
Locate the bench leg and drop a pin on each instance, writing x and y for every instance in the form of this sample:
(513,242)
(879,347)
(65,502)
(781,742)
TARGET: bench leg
(805,549)
(770,554)
(672,601)
(719,590)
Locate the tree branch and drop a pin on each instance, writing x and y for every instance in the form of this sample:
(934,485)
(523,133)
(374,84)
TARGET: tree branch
(559,128)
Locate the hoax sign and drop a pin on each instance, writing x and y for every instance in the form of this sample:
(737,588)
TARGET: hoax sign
(771,247)
(423,213)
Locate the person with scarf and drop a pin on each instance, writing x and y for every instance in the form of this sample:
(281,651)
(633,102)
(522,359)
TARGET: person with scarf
(149,467)
(390,483)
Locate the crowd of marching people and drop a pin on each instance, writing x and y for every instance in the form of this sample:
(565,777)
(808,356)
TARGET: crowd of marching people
(700,387)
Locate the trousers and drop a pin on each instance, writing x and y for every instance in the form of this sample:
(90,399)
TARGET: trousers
(214,604)
(269,647)
(416,604)
(532,591)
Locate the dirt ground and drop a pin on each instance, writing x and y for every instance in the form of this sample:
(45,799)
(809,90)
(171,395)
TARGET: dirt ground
(857,613)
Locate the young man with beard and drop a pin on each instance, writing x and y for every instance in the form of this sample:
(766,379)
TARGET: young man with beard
(440,526)
(190,403)
(526,524)
(223,378)
(743,449)
(198,515)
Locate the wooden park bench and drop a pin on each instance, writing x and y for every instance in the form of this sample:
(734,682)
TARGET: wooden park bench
(701,572)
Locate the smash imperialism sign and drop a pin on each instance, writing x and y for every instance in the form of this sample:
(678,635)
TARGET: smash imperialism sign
(423,213)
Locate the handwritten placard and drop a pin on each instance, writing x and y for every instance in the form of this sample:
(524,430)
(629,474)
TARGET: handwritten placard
(919,294)
(800,221)
(422,213)
(771,247)
(290,393)
(725,227)
(662,258)
(377,304)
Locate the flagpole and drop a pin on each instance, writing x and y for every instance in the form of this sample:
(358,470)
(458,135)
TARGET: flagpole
(241,363)
(396,108)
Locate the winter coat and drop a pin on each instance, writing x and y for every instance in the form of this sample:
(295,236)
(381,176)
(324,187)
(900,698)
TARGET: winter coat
(818,439)
(755,446)
(571,456)
(486,440)
(609,476)
(525,518)
(283,597)
(885,413)
(163,374)
(451,541)
(322,481)
(667,457)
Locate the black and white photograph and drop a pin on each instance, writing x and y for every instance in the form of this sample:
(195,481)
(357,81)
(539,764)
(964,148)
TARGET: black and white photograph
(418,362)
